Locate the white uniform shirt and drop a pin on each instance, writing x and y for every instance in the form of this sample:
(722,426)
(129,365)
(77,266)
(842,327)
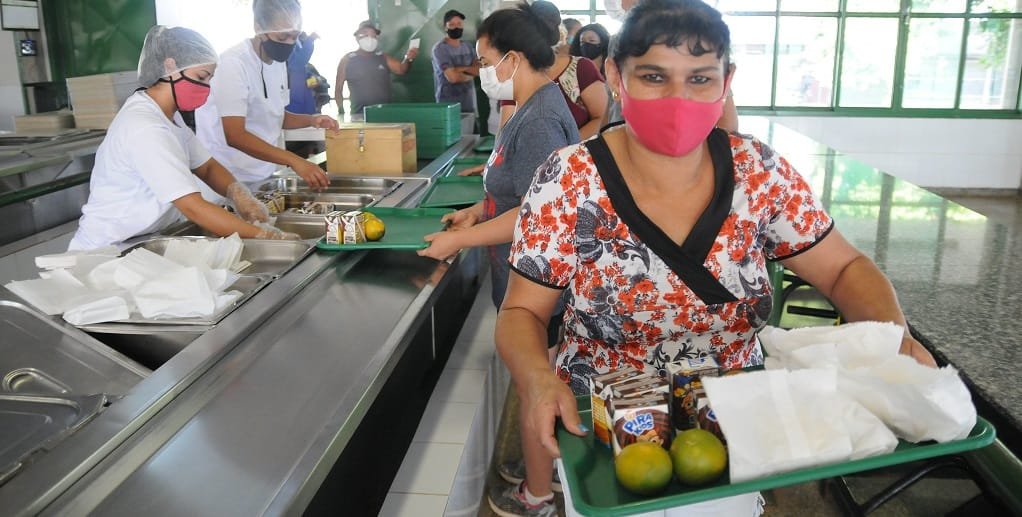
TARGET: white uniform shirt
(143,165)
(237,91)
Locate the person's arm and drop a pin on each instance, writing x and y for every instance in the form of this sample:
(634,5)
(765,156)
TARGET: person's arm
(401,67)
(300,120)
(214,219)
(498,230)
(855,285)
(595,99)
(506,110)
(215,175)
(238,137)
(339,80)
(521,342)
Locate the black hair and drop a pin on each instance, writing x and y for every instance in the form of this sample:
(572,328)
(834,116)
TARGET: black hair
(692,23)
(571,22)
(524,29)
(576,42)
(453,14)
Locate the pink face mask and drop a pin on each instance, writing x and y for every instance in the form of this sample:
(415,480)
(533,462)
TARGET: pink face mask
(188,93)
(671,125)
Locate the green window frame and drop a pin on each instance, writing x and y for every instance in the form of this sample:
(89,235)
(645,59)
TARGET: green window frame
(905,16)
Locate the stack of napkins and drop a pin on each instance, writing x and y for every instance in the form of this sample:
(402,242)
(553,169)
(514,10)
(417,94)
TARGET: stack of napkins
(188,280)
(834,394)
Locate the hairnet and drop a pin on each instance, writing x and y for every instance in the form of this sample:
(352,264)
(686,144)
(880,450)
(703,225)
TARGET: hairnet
(186,47)
(277,16)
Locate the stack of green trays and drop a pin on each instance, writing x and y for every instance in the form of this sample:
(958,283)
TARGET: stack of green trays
(437,125)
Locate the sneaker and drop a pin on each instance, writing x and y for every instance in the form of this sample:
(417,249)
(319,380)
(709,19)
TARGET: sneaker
(514,472)
(509,501)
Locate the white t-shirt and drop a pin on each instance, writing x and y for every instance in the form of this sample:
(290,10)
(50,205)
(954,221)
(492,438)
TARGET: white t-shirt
(237,91)
(143,165)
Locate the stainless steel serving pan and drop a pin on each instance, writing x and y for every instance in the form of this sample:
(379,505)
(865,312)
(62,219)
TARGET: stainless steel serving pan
(379,187)
(270,258)
(42,357)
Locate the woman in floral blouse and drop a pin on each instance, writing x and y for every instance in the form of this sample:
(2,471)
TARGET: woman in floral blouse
(660,229)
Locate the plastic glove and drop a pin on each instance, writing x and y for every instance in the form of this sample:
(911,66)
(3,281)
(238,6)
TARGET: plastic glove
(276,234)
(250,208)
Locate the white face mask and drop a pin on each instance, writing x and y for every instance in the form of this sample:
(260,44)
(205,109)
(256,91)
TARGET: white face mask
(368,43)
(495,88)
(614,9)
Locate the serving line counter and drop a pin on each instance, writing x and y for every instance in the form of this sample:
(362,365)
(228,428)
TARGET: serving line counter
(303,397)
(44,179)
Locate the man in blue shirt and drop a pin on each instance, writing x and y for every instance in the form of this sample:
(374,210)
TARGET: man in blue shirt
(455,65)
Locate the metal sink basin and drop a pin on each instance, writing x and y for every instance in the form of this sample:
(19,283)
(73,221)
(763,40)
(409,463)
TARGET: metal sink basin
(378,187)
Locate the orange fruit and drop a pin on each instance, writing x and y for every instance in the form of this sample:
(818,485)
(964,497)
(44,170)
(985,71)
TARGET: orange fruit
(643,468)
(374,229)
(698,457)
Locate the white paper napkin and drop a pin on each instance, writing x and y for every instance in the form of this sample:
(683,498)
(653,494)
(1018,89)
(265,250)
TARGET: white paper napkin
(180,293)
(52,294)
(109,308)
(779,420)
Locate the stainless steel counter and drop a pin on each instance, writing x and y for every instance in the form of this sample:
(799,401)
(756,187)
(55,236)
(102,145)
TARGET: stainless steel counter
(249,417)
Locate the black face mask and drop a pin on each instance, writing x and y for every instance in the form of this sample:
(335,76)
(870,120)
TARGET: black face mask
(590,50)
(455,33)
(278,51)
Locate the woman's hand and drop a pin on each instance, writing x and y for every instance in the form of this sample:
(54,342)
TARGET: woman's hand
(460,220)
(544,398)
(248,207)
(473,171)
(324,122)
(442,245)
(916,350)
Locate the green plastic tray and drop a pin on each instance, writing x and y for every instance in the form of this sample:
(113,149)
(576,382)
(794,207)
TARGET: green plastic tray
(454,191)
(589,468)
(405,229)
(464,162)
(485,145)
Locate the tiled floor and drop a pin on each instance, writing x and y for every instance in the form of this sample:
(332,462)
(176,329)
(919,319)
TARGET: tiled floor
(426,477)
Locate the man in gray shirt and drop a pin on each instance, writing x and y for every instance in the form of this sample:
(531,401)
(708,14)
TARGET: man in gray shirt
(455,65)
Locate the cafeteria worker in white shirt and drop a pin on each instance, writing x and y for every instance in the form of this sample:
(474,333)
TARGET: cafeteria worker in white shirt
(149,166)
(241,124)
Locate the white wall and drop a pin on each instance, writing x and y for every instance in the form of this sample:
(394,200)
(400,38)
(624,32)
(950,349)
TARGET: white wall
(943,153)
(12,101)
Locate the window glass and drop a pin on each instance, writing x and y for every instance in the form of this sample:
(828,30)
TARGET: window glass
(992,65)
(608,23)
(746,5)
(873,6)
(809,5)
(805,61)
(996,6)
(752,50)
(573,5)
(938,6)
(867,63)
(931,64)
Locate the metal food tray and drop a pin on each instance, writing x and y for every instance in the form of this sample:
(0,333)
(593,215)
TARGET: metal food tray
(268,257)
(41,357)
(249,285)
(589,472)
(33,423)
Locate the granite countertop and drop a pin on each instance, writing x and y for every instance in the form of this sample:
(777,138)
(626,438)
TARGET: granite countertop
(954,270)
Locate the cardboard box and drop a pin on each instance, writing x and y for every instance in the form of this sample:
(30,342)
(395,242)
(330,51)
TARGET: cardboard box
(641,419)
(378,149)
(600,392)
(687,387)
